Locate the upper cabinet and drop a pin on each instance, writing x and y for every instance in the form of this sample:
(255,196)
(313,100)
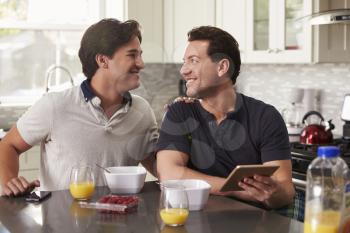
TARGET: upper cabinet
(274,34)
(165,24)
(277,31)
(150,16)
(231,17)
(180,16)
(268,31)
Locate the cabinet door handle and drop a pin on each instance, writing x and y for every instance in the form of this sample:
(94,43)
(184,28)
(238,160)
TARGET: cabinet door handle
(277,50)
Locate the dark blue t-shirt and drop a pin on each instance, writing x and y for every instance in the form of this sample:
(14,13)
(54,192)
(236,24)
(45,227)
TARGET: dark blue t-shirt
(253,133)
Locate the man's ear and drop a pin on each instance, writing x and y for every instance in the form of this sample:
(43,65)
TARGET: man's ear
(102,61)
(223,67)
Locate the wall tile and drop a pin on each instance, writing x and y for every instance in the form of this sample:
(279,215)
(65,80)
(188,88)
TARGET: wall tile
(268,82)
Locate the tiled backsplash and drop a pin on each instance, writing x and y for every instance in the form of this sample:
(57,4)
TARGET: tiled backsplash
(269,83)
(273,84)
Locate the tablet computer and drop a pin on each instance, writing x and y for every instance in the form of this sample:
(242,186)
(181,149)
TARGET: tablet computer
(243,171)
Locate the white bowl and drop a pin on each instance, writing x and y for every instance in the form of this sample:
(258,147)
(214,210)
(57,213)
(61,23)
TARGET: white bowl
(125,179)
(197,191)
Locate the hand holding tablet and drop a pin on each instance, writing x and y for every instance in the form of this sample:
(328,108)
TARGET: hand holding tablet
(243,171)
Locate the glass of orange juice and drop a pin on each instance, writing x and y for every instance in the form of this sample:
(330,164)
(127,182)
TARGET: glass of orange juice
(82,182)
(173,206)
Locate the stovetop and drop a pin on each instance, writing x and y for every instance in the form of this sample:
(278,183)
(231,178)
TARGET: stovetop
(302,155)
(310,151)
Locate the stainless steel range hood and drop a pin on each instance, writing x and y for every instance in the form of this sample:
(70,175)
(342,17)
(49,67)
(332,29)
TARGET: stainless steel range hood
(330,17)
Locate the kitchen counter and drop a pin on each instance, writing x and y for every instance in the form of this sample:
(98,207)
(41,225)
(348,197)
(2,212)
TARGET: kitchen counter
(60,213)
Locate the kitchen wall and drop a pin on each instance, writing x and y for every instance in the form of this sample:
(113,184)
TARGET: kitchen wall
(273,83)
(270,83)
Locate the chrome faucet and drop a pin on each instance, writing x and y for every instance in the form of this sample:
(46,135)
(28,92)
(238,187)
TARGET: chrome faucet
(49,72)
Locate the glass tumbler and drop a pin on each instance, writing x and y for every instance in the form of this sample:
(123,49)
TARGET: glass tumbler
(82,182)
(173,206)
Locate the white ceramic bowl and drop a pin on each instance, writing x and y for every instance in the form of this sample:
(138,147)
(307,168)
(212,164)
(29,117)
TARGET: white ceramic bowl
(197,191)
(125,179)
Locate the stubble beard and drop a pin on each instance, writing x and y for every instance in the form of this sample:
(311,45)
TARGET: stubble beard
(202,93)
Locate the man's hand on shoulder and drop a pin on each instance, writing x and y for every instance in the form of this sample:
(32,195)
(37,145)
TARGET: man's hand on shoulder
(18,186)
(184,99)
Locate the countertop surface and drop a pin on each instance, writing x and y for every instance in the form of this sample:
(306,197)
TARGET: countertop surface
(60,213)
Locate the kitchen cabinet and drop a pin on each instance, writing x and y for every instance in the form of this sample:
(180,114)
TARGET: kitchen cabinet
(267,30)
(272,31)
(231,16)
(165,24)
(29,163)
(150,17)
(180,16)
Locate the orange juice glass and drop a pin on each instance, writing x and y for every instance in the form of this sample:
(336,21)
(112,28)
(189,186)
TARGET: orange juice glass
(82,183)
(174,216)
(173,206)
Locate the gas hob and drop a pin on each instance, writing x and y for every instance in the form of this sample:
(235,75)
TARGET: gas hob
(302,155)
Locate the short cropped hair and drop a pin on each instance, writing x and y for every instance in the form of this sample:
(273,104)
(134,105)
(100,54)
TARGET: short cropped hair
(221,45)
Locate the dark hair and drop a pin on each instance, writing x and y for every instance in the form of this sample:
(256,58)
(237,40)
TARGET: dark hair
(105,37)
(221,45)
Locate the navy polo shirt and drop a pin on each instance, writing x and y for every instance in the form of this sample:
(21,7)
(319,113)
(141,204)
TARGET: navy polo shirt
(253,133)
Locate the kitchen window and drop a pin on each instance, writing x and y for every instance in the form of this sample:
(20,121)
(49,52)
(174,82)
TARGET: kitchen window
(33,39)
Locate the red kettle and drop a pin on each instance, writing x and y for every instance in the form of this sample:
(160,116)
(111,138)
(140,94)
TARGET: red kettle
(316,134)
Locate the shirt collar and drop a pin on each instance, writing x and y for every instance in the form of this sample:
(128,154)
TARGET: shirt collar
(87,91)
(238,106)
(89,94)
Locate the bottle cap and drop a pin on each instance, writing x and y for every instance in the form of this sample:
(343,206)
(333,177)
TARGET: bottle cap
(328,151)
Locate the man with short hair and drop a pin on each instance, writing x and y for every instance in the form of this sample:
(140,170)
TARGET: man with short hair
(208,138)
(98,122)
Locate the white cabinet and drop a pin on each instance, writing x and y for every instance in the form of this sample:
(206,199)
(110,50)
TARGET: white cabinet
(270,31)
(180,16)
(150,17)
(273,33)
(267,30)
(29,163)
(231,17)
(165,24)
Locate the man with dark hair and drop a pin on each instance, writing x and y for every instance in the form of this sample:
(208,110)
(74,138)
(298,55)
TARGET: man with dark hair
(96,122)
(207,138)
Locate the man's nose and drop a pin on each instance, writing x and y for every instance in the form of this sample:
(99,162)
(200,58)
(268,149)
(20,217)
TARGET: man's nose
(139,63)
(184,70)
